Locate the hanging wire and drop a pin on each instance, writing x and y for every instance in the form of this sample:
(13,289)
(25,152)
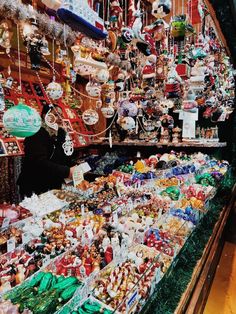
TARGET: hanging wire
(53,59)
(19,57)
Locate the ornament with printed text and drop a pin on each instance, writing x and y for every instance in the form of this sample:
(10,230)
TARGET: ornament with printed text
(22,120)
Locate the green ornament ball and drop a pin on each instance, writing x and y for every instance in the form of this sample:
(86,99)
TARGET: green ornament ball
(22,120)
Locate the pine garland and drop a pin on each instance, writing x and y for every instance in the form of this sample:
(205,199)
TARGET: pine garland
(169,292)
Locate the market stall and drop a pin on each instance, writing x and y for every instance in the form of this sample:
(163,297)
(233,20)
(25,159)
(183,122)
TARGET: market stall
(145,94)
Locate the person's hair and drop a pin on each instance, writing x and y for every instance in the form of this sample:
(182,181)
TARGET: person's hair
(46,108)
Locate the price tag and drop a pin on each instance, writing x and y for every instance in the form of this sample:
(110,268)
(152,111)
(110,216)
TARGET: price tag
(5,223)
(89,232)
(78,176)
(26,237)
(82,210)
(84,167)
(46,260)
(62,218)
(11,244)
(132,302)
(115,218)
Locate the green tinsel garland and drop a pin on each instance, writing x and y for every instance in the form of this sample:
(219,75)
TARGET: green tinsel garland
(169,292)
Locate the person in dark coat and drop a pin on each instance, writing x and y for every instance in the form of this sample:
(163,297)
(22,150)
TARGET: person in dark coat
(45,166)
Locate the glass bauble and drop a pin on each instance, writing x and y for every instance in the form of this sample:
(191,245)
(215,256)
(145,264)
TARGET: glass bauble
(22,120)
(54,90)
(90,117)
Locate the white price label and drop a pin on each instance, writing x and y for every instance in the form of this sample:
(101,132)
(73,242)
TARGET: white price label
(6,222)
(62,218)
(115,218)
(11,244)
(82,210)
(89,232)
(26,237)
(46,260)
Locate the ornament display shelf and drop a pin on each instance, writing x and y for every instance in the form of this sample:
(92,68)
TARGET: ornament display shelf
(150,144)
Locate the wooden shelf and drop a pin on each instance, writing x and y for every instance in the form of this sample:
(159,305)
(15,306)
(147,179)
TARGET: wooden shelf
(148,144)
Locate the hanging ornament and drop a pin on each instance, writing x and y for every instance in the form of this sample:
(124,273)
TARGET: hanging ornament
(108,112)
(54,90)
(44,48)
(102,75)
(51,120)
(127,108)
(2,100)
(6,35)
(93,89)
(68,146)
(161,8)
(127,123)
(22,120)
(90,117)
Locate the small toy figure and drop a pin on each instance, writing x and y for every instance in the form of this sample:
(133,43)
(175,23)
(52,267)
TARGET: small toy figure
(116,15)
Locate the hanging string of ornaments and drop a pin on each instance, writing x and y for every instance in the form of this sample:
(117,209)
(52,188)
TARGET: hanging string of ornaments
(154,68)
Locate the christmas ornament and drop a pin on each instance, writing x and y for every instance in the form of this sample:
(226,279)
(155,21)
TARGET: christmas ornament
(81,17)
(127,123)
(161,8)
(127,108)
(54,90)
(93,89)
(68,146)
(2,101)
(6,35)
(21,120)
(108,112)
(102,75)
(90,117)
(51,120)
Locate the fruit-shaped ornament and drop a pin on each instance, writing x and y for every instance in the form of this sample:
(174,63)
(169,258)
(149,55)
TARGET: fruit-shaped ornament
(21,120)
(54,90)
(90,117)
